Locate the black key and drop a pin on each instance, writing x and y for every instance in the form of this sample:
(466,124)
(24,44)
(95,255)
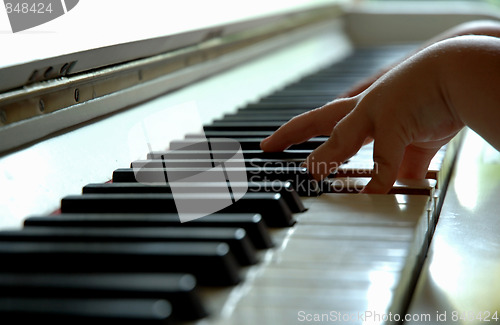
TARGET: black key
(271,206)
(284,188)
(245,143)
(247,126)
(197,163)
(252,223)
(252,121)
(75,311)
(238,135)
(262,110)
(248,154)
(177,288)
(260,116)
(330,87)
(298,176)
(236,238)
(280,106)
(313,90)
(328,82)
(290,105)
(254,174)
(230,134)
(210,263)
(304,95)
(283,116)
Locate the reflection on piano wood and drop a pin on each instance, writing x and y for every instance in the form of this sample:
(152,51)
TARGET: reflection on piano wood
(119,252)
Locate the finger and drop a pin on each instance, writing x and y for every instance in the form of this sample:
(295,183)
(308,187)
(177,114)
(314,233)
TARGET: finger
(416,162)
(346,139)
(307,125)
(388,153)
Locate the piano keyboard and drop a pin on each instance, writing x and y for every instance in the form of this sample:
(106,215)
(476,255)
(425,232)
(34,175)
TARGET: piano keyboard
(291,250)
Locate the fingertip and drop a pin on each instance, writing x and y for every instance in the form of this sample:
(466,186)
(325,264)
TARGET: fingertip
(388,152)
(263,143)
(322,161)
(313,172)
(272,143)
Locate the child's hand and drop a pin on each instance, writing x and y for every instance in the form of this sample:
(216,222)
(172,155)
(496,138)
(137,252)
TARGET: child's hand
(406,112)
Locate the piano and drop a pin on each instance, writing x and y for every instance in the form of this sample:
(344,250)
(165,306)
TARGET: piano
(83,239)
